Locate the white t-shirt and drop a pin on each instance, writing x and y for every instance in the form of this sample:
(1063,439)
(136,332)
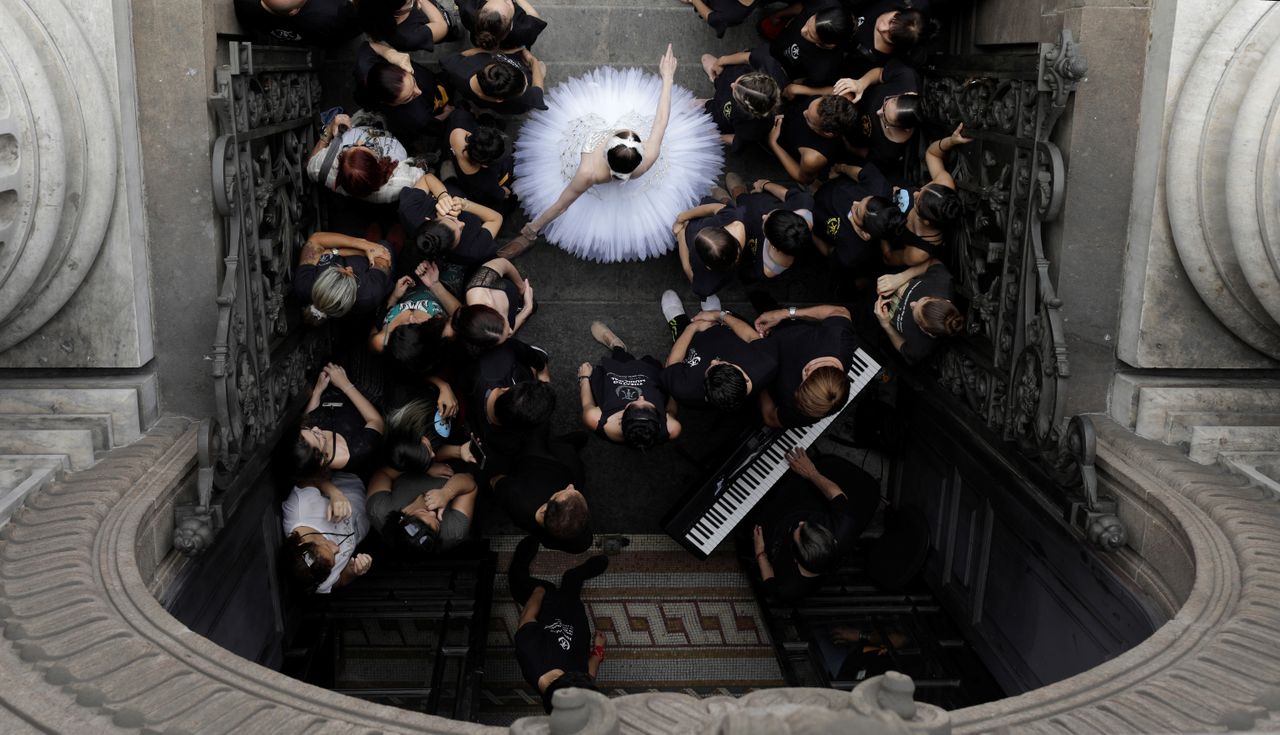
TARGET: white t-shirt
(307,506)
(382,143)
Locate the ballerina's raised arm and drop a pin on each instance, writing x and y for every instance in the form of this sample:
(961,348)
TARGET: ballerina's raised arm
(594,168)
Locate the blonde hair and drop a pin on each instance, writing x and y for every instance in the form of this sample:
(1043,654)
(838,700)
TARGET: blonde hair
(823,392)
(332,295)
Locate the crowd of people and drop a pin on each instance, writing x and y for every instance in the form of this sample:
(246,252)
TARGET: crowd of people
(833,93)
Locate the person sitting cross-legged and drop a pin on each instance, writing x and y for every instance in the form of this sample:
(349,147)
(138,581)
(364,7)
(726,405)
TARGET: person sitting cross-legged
(622,399)
(540,495)
(324,520)
(806,139)
(420,513)
(551,637)
(712,362)
(814,347)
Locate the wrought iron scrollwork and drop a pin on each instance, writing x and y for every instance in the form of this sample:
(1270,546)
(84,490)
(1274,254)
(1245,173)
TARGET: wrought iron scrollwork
(265,111)
(1010,369)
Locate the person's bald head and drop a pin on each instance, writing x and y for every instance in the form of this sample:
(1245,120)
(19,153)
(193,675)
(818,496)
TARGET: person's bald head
(283,7)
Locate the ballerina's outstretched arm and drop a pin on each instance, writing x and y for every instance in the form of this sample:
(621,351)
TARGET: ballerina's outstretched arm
(583,180)
(653,145)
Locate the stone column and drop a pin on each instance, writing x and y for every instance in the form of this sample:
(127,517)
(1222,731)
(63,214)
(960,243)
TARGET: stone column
(1202,271)
(74,290)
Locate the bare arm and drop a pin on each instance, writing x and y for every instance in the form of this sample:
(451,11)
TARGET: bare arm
(529,9)
(399,58)
(590,411)
(582,180)
(681,346)
(381,481)
(703,210)
(882,312)
(372,417)
(935,155)
(489,219)
(653,146)
(741,328)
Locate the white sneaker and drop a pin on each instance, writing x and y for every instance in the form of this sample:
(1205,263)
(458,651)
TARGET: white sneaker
(711,303)
(672,306)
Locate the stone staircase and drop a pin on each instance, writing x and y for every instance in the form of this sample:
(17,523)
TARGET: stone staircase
(54,425)
(1234,422)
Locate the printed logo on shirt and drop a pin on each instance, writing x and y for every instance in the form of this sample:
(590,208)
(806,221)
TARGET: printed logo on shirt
(857,23)
(283,35)
(866,125)
(563,633)
(793,51)
(753,245)
(833,225)
(728,110)
(692,358)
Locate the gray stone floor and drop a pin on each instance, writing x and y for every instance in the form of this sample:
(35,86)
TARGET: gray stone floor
(629,490)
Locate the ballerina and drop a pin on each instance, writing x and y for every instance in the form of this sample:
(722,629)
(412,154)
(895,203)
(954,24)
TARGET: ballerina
(633,186)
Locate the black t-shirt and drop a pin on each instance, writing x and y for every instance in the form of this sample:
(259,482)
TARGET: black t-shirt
(460,69)
(414,118)
(483,186)
(412,34)
(475,245)
(730,117)
(559,638)
(868,130)
(832,203)
(796,134)
(803,60)
(338,414)
(862,55)
(318,23)
(500,367)
(374,284)
(531,482)
(755,207)
(615,383)
(706,281)
(524,27)
(935,282)
(793,345)
(726,14)
(684,381)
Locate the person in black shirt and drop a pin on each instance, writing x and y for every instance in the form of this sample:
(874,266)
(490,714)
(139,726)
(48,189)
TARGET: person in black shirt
(852,213)
(811,47)
(498,82)
(814,348)
(405,25)
(915,309)
(406,94)
(797,538)
(712,362)
(885,29)
(341,275)
(806,138)
(446,226)
(510,401)
(540,495)
(888,113)
(709,238)
(482,161)
(311,22)
(551,637)
(779,224)
(341,430)
(622,400)
(722,14)
(746,98)
(501,24)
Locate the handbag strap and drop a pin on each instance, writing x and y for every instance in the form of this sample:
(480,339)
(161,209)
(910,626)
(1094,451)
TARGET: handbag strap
(330,155)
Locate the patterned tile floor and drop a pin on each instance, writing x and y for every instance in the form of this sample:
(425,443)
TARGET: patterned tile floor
(671,624)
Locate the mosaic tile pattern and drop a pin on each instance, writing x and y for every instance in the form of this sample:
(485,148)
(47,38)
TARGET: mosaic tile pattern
(671,624)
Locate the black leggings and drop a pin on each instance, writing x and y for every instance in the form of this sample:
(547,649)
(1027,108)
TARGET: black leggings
(522,583)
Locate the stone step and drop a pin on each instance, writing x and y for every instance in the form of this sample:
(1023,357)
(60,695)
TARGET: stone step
(1207,442)
(75,444)
(1261,467)
(1144,403)
(1180,423)
(132,401)
(21,475)
(99,424)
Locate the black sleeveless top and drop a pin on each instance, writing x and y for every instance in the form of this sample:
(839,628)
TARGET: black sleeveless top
(616,383)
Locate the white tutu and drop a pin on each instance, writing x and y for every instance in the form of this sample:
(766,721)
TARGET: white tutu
(618,220)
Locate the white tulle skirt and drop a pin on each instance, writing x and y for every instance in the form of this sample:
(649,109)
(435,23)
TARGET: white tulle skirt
(618,220)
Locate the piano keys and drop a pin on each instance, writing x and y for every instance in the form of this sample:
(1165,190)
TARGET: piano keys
(711,513)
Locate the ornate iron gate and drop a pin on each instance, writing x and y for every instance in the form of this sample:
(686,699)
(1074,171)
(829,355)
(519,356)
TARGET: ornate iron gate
(265,108)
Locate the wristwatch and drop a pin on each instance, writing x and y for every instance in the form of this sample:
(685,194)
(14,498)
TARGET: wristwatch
(791,312)
(720,316)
